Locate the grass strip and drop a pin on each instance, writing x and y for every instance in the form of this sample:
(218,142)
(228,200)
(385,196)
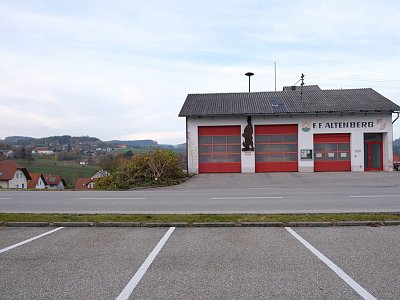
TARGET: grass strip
(190,218)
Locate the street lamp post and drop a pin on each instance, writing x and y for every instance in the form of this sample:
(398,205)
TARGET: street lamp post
(249,74)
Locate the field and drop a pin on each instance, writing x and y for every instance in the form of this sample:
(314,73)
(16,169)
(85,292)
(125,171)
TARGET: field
(70,171)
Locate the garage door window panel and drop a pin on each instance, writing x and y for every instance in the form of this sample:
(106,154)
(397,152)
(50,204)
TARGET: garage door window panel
(275,148)
(205,149)
(290,138)
(233,139)
(217,149)
(205,140)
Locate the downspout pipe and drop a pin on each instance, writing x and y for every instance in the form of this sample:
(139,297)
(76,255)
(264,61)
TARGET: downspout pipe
(187,148)
(398,116)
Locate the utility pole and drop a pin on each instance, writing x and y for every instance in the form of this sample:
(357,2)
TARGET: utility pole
(301,88)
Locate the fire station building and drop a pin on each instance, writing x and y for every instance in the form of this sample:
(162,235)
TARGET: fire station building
(299,129)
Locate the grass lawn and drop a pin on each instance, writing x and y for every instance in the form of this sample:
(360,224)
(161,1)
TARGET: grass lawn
(70,171)
(190,218)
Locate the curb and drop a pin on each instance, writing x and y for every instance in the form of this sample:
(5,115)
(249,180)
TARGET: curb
(393,222)
(309,224)
(214,224)
(118,224)
(202,224)
(72,224)
(168,224)
(26,224)
(262,224)
(359,223)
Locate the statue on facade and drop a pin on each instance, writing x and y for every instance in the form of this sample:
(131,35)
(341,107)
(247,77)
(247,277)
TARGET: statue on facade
(248,136)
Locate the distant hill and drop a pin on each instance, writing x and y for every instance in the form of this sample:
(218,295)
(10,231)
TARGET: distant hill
(18,140)
(62,140)
(135,143)
(49,141)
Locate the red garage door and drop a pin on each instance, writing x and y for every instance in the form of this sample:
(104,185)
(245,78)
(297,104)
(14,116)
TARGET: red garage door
(276,148)
(219,149)
(332,152)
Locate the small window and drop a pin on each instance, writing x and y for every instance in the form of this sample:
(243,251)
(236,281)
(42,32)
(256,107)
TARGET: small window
(319,156)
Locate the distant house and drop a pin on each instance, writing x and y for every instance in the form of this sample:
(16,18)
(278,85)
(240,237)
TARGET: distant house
(55,182)
(42,150)
(13,176)
(37,182)
(85,184)
(4,154)
(100,173)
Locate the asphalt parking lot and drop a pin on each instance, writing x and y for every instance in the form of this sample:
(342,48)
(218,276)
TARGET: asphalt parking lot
(199,263)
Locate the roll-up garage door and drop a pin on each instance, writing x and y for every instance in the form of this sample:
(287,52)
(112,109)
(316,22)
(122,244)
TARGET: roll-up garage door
(276,148)
(332,152)
(219,149)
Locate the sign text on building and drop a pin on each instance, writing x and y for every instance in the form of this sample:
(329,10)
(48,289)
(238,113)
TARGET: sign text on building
(343,125)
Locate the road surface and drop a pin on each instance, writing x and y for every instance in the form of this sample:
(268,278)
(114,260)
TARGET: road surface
(227,193)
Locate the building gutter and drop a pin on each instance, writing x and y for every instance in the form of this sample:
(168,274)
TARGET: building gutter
(398,116)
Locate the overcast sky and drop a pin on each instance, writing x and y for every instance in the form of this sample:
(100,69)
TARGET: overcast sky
(122,69)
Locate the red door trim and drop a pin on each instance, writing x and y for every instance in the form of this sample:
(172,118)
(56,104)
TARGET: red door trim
(368,168)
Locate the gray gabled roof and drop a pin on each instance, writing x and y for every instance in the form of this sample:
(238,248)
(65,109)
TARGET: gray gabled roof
(309,101)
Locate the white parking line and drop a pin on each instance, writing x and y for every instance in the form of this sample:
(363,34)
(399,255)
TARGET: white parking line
(5,198)
(112,198)
(346,278)
(30,240)
(127,291)
(233,198)
(374,196)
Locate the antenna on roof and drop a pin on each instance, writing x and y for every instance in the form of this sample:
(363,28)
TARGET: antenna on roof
(249,74)
(275,74)
(301,89)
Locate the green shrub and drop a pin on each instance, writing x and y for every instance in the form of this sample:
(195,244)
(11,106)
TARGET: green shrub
(155,168)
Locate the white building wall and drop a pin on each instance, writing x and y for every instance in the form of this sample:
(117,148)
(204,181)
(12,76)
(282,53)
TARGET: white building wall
(40,184)
(3,184)
(19,181)
(308,125)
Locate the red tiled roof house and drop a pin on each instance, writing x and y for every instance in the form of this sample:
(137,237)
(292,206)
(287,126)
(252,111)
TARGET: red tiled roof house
(13,176)
(54,182)
(37,181)
(85,184)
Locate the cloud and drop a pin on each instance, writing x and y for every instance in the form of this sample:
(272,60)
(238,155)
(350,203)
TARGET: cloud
(124,69)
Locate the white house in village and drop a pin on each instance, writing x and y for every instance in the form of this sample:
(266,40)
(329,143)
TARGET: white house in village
(54,182)
(13,176)
(37,181)
(295,130)
(42,150)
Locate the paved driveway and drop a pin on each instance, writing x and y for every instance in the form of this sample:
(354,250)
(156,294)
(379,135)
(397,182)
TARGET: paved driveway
(228,193)
(200,263)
